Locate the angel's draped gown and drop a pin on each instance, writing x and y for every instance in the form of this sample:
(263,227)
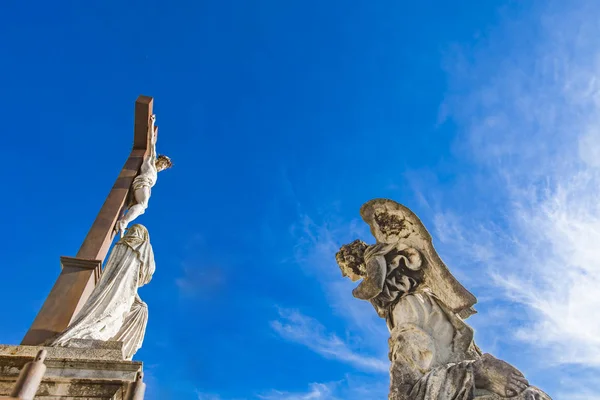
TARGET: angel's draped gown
(114,310)
(426,336)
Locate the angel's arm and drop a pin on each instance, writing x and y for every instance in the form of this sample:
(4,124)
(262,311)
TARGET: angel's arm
(372,284)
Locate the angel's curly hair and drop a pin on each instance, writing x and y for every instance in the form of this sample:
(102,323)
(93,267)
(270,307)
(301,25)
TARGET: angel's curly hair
(351,258)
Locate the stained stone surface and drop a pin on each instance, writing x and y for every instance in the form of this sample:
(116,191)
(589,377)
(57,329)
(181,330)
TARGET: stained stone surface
(93,370)
(431,349)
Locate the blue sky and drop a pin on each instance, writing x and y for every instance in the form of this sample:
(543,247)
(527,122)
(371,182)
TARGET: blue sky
(282,118)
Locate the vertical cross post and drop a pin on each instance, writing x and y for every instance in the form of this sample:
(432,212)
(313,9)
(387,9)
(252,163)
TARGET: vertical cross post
(80,274)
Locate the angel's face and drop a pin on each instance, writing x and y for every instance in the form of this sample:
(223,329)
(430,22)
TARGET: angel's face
(353,277)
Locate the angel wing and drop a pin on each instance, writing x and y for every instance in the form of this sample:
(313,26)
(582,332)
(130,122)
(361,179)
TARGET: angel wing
(392,223)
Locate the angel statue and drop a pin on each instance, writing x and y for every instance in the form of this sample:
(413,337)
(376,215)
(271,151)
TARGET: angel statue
(144,181)
(431,348)
(114,310)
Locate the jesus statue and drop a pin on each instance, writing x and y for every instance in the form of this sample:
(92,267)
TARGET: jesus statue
(144,181)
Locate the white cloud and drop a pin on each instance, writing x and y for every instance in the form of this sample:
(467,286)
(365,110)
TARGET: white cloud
(207,396)
(200,281)
(580,396)
(319,391)
(532,127)
(307,331)
(349,388)
(315,251)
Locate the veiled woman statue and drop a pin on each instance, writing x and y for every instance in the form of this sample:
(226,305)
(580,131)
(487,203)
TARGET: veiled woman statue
(114,310)
(431,348)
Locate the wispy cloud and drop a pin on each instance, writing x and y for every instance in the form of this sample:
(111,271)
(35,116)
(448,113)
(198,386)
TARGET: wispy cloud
(317,243)
(585,395)
(319,391)
(207,396)
(211,396)
(307,331)
(349,388)
(532,127)
(200,281)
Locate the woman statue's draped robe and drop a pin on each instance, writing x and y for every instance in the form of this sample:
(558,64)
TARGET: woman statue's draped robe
(114,310)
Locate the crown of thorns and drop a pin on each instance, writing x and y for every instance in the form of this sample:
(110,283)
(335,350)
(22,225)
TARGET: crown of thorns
(164,159)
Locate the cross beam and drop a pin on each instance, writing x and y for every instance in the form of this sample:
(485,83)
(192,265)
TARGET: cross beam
(80,274)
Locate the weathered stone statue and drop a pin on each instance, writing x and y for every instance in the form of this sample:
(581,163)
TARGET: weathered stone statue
(144,181)
(114,310)
(431,348)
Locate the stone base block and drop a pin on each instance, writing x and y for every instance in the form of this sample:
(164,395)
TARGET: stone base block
(92,370)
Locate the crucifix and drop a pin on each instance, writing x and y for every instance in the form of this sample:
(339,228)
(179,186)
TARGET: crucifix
(81,273)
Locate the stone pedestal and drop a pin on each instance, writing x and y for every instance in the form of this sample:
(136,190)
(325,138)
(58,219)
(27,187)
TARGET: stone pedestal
(92,370)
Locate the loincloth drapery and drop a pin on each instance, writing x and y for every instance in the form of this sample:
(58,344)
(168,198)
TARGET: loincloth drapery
(141,181)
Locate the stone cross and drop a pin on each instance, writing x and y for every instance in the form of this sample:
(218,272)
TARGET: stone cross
(80,274)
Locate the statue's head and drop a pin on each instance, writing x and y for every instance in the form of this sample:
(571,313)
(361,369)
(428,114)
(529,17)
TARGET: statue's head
(351,260)
(138,231)
(163,162)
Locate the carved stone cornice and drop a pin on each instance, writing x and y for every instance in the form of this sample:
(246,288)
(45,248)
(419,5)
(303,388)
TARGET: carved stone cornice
(82,264)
